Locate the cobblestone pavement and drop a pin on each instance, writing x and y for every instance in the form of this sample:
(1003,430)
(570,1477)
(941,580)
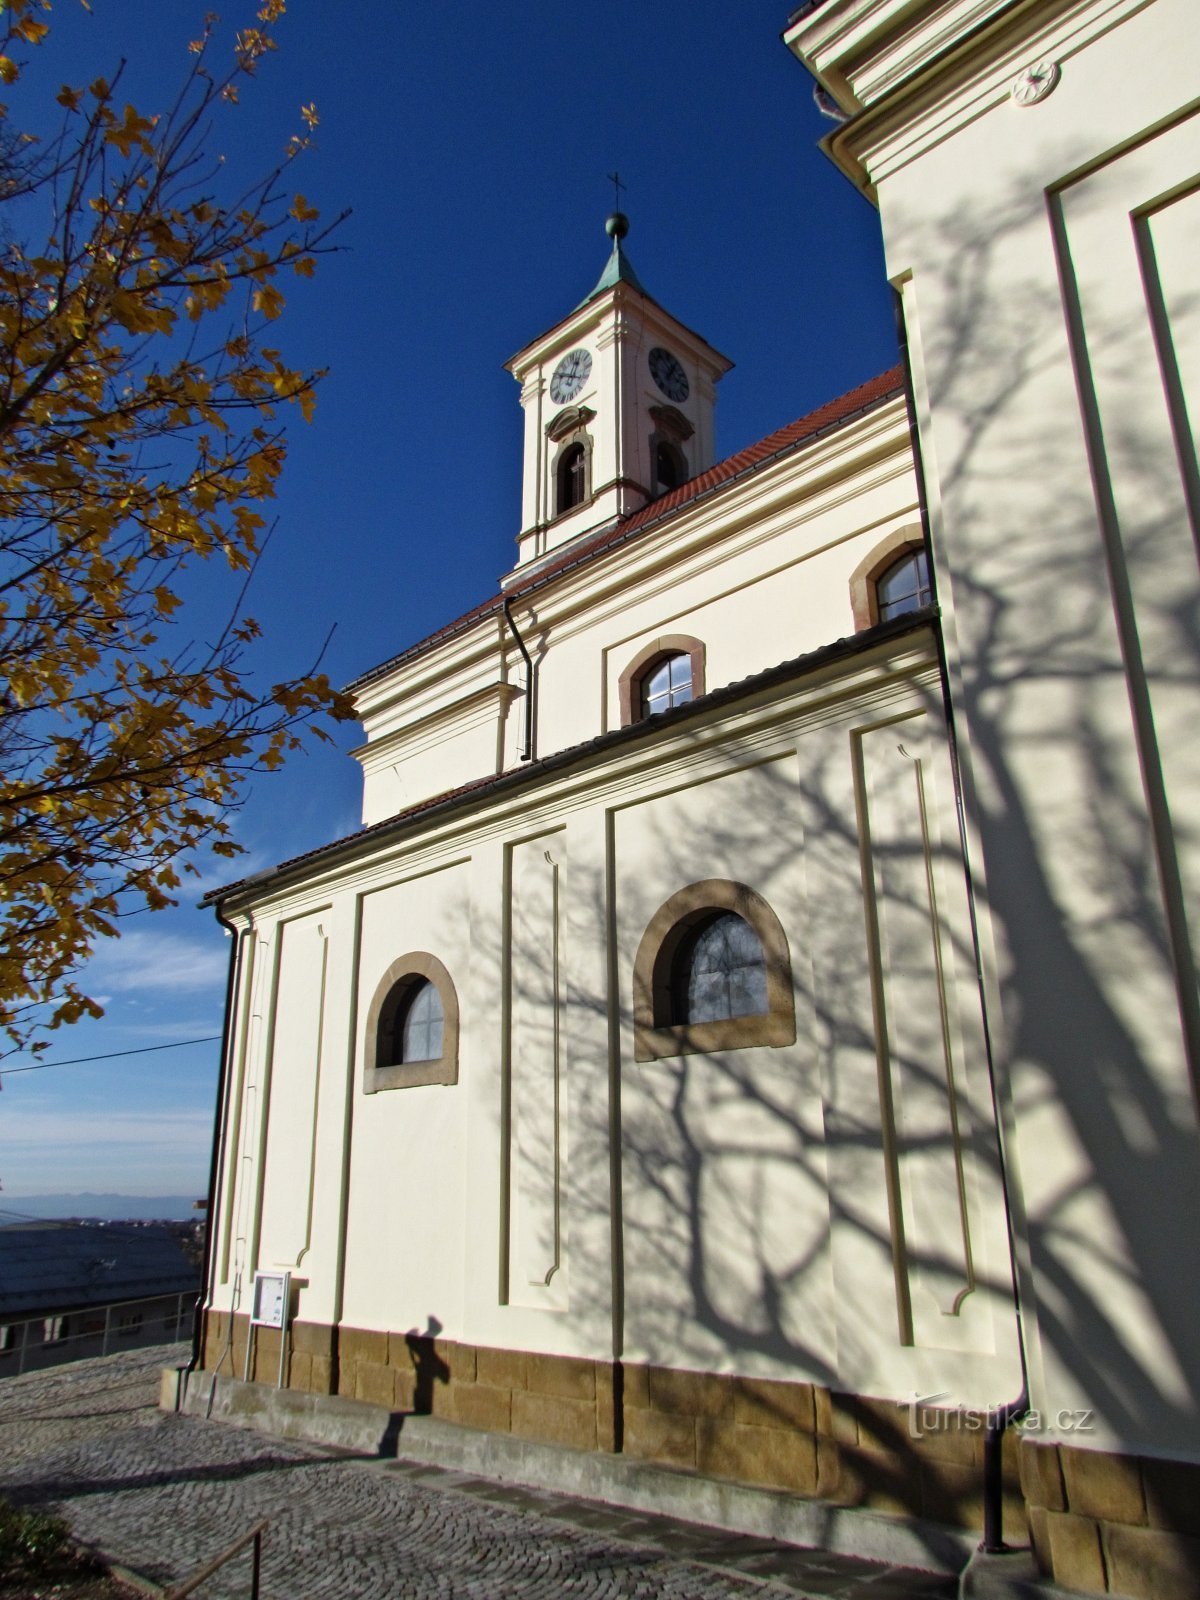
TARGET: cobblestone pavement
(162,1494)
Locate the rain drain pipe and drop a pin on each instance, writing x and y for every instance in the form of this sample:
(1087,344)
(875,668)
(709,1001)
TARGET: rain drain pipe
(529,742)
(220,1122)
(993,1477)
(999,1417)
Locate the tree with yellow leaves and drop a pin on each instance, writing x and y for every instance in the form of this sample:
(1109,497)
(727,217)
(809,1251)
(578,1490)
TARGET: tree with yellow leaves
(141,411)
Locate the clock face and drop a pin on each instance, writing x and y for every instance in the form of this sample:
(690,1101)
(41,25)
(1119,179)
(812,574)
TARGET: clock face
(570,375)
(668,374)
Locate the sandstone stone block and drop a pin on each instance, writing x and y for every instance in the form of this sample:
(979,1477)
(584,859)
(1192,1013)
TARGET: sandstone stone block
(690,1394)
(636,1381)
(1075,1552)
(441,1399)
(564,1376)
(458,1358)
(775,1457)
(823,1411)
(402,1347)
(299,1375)
(849,1481)
(882,1424)
(953,1437)
(606,1413)
(363,1344)
(1172,1491)
(829,1469)
(405,1380)
(312,1338)
(883,1481)
(477,1405)
(554,1419)
(501,1369)
(321,1375)
(654,1436)
(1151,1563)
(1041,1475)
(1106,1487)
(843,1418)
(374,1383)
(762,1403)
(266,1350)
(1039,1538)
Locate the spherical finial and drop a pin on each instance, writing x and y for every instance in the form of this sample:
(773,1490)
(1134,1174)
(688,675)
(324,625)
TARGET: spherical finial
(617,225)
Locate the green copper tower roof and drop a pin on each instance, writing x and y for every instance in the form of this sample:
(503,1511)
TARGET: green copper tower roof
(617,269)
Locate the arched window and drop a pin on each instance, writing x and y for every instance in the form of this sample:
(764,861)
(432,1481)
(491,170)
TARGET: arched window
(418,1026)
(712,973)
(670,469)
(666,683)
(719,972)
(891,579)
(572,478)
(904,586)
(668,671)
(412,1026)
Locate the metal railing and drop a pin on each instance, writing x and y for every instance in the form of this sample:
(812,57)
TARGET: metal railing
(37,1342)
(253,1536)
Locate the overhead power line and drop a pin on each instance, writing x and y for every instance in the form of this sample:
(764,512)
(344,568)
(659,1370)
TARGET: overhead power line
(111,1055)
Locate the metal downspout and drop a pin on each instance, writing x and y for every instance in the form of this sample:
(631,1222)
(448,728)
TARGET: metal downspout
(220,1122)
(529,744)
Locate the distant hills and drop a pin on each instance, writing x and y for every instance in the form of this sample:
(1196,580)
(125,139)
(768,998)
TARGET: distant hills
(106,1207)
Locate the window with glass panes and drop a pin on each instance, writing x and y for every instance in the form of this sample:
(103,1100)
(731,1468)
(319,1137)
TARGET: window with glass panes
(419,1025)
(667,684)
(904,586)
(720,972)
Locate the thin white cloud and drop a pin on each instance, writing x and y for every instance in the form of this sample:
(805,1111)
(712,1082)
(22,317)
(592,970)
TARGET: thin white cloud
(132,1152)
(145,960)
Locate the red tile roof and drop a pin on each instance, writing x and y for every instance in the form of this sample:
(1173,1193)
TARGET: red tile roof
(804,430)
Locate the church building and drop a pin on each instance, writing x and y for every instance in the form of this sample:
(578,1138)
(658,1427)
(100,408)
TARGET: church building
(750,1032)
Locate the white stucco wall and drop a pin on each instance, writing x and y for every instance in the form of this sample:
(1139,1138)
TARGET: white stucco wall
(780,1214)
(1042,252)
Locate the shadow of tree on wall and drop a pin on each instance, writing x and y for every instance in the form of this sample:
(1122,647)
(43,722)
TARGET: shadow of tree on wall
(1068,874)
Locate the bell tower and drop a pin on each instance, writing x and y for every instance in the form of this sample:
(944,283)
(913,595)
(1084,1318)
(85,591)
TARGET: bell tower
(619,402)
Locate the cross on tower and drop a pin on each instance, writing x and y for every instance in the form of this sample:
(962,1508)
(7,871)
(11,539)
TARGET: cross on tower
(615,179)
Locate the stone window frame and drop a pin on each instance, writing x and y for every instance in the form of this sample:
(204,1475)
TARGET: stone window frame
(864,598)
(655,1037)
(568,429)
(389,993)
(629,684)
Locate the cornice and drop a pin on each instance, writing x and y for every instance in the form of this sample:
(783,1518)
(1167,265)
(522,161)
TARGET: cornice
(908,76)
(466,712)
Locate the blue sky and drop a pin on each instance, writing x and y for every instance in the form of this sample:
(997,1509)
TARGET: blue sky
(471,146)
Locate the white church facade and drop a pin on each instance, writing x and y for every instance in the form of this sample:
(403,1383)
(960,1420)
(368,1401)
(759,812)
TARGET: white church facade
(747,1008)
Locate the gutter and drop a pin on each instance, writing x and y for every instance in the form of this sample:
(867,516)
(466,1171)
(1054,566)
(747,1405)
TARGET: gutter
(220,1122)
(529,743)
